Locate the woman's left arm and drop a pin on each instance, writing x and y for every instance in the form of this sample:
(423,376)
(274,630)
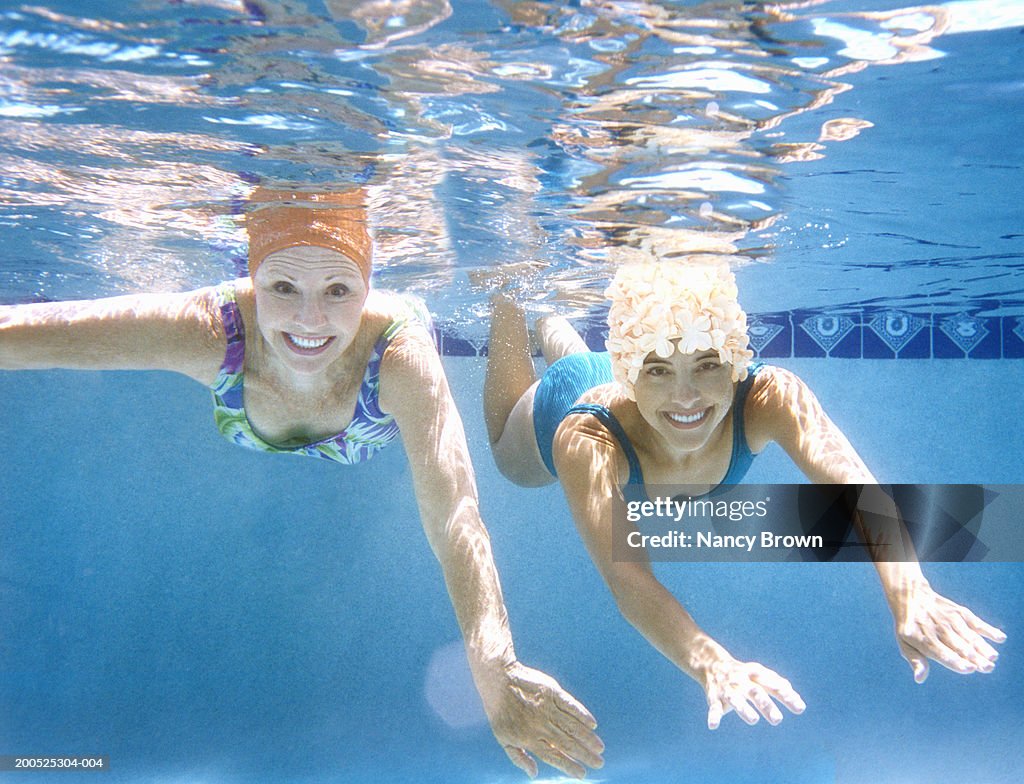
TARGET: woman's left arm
(783,408)
(528,711)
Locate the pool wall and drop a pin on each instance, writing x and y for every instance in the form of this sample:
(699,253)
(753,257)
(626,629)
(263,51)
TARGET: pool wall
(204,613)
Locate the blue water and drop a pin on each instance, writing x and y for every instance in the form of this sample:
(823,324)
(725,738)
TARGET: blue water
(156,609)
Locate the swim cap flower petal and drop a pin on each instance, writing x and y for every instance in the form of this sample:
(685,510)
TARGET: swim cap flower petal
(654,304)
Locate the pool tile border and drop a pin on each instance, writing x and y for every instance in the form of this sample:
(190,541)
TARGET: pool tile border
(881,333)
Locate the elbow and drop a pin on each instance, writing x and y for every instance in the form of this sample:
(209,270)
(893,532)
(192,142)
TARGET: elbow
(461,530)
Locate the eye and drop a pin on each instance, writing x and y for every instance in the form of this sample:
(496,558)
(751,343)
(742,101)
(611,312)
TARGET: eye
(711,365)
(283,287)
(338,290)
(657,371)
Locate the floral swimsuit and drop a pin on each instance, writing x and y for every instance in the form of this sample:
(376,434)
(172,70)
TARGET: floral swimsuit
(368,432)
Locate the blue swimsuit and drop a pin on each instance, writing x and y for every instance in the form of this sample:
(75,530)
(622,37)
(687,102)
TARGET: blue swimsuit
(570,377)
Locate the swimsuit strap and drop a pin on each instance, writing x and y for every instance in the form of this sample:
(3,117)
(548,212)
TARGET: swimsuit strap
(742,457)
(230,374)
(368,410)
(604,415)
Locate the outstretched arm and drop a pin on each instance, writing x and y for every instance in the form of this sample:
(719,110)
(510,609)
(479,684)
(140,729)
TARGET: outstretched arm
(586,459)
(528,711)
(178,332)
(928,625)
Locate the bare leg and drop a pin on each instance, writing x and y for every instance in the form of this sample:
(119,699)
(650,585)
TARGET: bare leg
(558,338)
(509,389)
(509,364)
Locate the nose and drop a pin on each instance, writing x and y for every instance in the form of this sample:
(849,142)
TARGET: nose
(685,393)
(310,315)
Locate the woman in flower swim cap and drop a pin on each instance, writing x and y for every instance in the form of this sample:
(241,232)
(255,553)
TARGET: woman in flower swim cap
(304,357)
(676,401)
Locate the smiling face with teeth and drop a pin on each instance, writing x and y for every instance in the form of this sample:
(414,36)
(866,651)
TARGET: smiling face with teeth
(309,305)
(684,398)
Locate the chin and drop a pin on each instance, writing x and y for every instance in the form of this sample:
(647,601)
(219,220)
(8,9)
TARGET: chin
(308,364)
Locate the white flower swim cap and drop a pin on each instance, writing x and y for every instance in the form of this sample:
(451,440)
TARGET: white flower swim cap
(655,303)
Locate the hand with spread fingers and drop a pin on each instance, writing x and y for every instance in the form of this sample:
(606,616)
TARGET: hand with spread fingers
(930,626)
(532,716)
(748,688)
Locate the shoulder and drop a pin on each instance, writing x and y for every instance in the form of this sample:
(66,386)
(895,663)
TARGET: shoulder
(404,319)
(777,399)
(584,447)
(201,323)
(239,291)
(410,369)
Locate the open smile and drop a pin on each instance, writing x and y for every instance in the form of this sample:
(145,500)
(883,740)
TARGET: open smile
(690,421)
(307,345)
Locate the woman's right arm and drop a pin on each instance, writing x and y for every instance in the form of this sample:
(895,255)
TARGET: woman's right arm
(181,332)
(586,459)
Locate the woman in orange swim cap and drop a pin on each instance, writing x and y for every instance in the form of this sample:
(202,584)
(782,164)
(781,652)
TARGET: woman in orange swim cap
(305,357)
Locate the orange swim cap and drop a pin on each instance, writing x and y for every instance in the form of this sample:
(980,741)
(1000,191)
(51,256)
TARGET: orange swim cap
(286,219)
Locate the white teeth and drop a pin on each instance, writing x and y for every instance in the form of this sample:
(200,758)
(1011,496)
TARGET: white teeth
(687,420)
(308,342)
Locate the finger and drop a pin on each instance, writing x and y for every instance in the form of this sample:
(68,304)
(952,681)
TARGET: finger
(959,638)
(573,747)
(917,661)
(715,713)
(743,708)
(986,630)
(780,688)
(948,657)
(566,703)
(765,705)
(557,759)
(987,654)
(973,646)
(580,734)
(933,644)
(522,760)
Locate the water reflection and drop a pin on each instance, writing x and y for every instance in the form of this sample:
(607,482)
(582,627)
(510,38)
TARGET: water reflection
(574,137)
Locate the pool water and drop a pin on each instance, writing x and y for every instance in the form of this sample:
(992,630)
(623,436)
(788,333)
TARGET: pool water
(864,181)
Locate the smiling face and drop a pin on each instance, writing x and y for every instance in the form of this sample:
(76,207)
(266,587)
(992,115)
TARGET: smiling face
(309,304)
(685,397)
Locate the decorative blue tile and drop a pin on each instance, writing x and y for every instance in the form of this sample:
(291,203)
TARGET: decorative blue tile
(455,345)
(920,346)
(1013,337)
(771,335)
(894,333)
(992,345)
(887,334)
(851,346)
(875,347)
(826,334)
(803,344)
(964,335)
